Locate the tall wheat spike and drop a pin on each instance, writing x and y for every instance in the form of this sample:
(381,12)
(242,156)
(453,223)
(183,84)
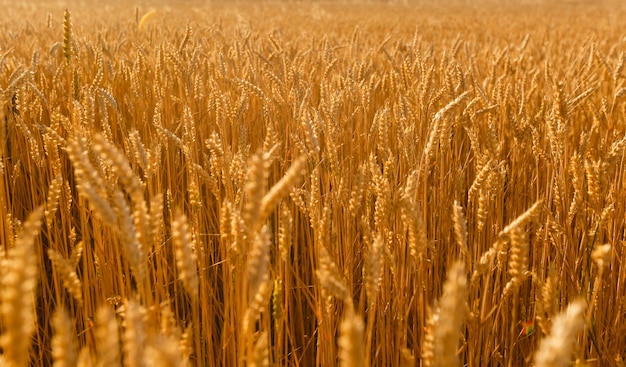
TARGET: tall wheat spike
(460,228)
(134,338)
(556,349)
(64,351)
(449,315)
(107,338)
(19,282)
(186,261)
(68,275)
(67,36)
(351,344)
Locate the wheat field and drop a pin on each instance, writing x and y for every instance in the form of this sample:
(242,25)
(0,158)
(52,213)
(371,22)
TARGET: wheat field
(312,183)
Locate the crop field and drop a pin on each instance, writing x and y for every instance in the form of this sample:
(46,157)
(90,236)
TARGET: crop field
(255,183)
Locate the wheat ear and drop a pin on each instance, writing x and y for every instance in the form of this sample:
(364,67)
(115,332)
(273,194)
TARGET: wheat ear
(258,262)
(19,272)
(445,325)
(460,228)
(67,36)
(185,257)
(66,270)
(164,352)
(64,352)
(351,344)
(107,339)
(260,355)
(555,350)
(134,337)
(281,188)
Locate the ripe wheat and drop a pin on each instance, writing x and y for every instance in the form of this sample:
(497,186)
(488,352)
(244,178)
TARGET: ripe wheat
(304,184)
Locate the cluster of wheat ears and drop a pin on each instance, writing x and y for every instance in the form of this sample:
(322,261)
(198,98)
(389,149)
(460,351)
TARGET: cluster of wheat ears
(313,185)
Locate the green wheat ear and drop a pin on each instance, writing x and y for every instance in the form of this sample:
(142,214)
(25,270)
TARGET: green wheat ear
(67,36)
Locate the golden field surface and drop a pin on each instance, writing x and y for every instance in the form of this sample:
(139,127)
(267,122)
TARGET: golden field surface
(312,184)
